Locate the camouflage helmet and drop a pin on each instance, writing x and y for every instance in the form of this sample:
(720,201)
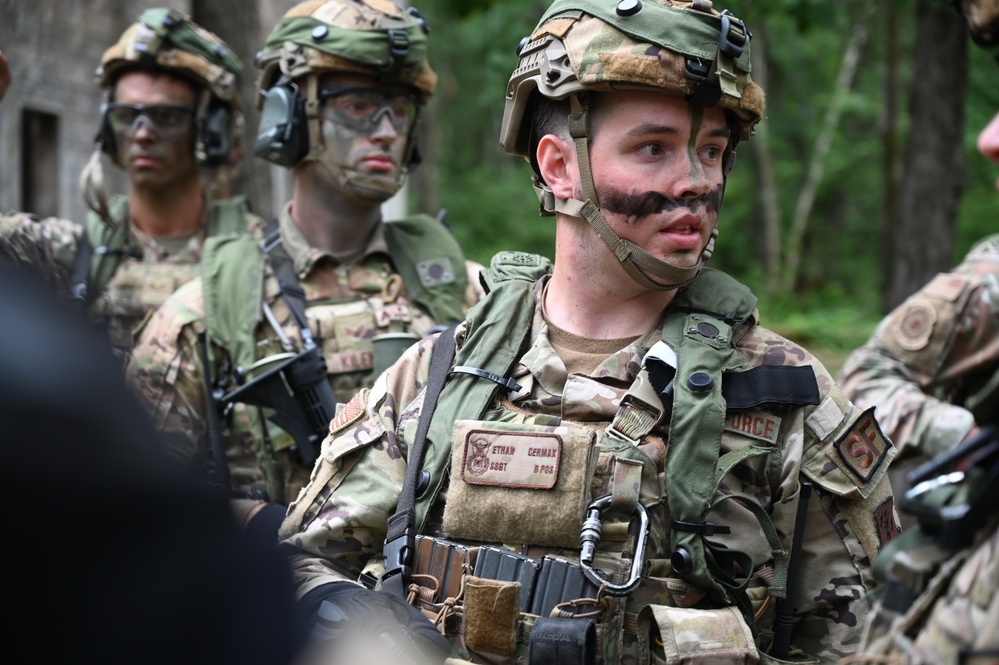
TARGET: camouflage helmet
(982,17)
(682,48)
(679,47)
(371,37)
(374,38)
(165,39)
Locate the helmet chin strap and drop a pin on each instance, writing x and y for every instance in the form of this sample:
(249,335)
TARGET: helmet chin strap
(643,267)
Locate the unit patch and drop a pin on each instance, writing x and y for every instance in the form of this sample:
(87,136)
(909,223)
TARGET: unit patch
(887,527)
(511,459)
(395,312)
(435,272)
(947,286)
(864,447)
(348,414)
(914,327)
(756,424)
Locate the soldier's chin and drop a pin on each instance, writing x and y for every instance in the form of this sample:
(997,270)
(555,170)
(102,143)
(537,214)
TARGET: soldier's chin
(373,188)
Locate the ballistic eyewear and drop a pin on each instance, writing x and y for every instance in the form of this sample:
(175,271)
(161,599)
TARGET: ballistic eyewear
(362,109)
(167,121)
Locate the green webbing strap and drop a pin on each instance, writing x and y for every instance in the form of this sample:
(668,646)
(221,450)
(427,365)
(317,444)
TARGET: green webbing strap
(109,244)
(692,458)
(227,216)
(232,274)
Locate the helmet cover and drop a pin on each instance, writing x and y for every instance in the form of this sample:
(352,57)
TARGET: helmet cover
(678,47)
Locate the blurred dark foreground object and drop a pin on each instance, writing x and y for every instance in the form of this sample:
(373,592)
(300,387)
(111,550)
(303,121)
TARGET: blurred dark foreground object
(111,556)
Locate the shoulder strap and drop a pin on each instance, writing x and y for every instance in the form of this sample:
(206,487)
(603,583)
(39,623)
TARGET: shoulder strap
(232,278)
(78,290)
(496,333)
(107,246)
(284,272)
(227,216)
(401,533)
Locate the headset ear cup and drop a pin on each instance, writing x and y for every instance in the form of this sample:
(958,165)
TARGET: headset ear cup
(105,135)
(216,133)
(282,137)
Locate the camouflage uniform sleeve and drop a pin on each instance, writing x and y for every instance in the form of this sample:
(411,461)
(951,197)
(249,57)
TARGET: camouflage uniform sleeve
(339,520)
(46,246)
(924,356)
(165,371)
(850,513)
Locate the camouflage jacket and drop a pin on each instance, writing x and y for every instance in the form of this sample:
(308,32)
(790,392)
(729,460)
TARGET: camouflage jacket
(339,521)
(346,305)
(135,278)
(932,366)
(940,603)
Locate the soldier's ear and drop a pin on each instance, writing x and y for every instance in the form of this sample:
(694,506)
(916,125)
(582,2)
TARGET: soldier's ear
(557,164)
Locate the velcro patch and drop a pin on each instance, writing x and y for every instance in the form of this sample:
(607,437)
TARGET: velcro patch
(435,272)
(511,459)
(864,447)
(349,413)
(946,286)
(755,424)
(885,524)
(393,312)
(915,325)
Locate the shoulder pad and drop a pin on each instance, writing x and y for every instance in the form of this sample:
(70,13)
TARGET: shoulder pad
(506,266)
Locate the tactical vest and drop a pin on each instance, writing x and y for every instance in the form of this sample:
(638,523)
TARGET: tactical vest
(703,321)
(117,286)
(423,252)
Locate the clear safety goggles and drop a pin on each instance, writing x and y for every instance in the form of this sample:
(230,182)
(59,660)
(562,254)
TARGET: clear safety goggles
(167,121)
(362,109)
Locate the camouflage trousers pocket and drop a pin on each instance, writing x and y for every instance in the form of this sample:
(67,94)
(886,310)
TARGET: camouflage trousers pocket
(685,636)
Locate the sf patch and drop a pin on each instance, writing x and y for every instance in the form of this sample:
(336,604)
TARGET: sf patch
(864,447)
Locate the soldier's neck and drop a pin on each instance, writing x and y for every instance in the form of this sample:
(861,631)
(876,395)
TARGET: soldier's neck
(331,221)
(164,213)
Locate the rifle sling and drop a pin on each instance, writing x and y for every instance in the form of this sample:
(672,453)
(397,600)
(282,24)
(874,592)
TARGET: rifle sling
(400,537)
(284,272)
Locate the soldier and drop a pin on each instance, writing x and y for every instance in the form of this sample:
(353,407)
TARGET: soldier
(932,367)
(172,121)
(329,290)
(619,463)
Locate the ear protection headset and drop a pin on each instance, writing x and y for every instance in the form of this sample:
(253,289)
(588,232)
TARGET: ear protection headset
(283,136)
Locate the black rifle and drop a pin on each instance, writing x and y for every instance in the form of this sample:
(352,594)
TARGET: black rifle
(220,475)
(299,393)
